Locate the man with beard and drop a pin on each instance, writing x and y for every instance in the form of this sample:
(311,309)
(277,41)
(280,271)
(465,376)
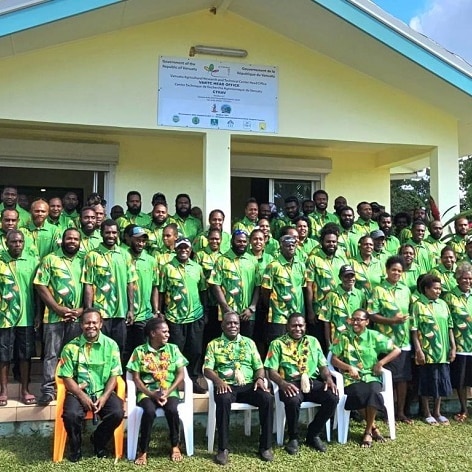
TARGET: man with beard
(282,288)
(235,282)
(89,236)
(392,244)
(433,241)
(348,238)
(322,276)
(419,214)
(9,220)
(17,312)
(422,255)
(308,207)
(146,293)
(321,216)
(216,220)
(291,211)
(182,287)
(58,284)
(188,225)
(155,229)
(89,366)
(133,215)
(108,277)
(298,366)
(364,224)
(10,202)
(339,203)
(461,228)
(70,203)
(46,236)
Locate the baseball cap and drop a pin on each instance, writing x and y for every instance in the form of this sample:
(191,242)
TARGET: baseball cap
(378,233)
(287,239)
(182,242)
(138,231)
(346,269)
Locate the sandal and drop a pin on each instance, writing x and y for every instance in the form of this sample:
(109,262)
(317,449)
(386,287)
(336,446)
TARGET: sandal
(365,441)
(377,435)
(442,420)
(459,417)
(28,399)
(3,400)
(176,455)
(431,420)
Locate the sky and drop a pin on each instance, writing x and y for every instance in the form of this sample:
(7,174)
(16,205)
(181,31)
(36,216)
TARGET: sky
(445,21)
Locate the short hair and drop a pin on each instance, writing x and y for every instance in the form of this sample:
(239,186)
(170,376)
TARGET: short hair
(87,208)
(320,192)
(433,221)
(9,209)
(395,260)
(404,246)
(362,203)
(94,199)
(39,200)
(328,229)
(251,200)
(183,195)
(461,269)
(256,230)
(14,187)
(291,199)
(263,219)
(345,208)
(363,311)
(161,203)
(13,232)
(108,222)
(294,315)
(92,309)
(152,325)
(446,249)
(212,212)
(402,214)
(284,231)
(131,193)
(363,238)
(215,230)
(64,234)
(384,214)
(427,282)
(418,223)
(173,227)
(306,220)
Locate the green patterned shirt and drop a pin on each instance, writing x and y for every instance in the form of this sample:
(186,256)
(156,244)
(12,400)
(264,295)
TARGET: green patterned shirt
(23,216)
(457,243)
(224,356)
(361,352)
(238,277)
(155,244)
(338,307)
(432,320)
(246,225)
(323,272)
(89,242)
(157,368)
(147,272)
(141,219)
(61,275)
(182,284)
(448,281)
(90,364)
(362,227)
(188,227)
(318,220)
(286,281)
(348,241)
(201,242)
(46,238)
(423,257)
(272,247)
(460,306)
(109,271)
(388,300)
(410,276)
(392,245)
(292,358)
(16,290)
(278,223)
(207,259)
(368,275)
(435,247)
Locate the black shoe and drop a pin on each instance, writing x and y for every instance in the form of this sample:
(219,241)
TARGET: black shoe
(45,399)
(197,388)
(316,443)
(99,452)
(267,455)
(292,447)
(75,456)
(222,457)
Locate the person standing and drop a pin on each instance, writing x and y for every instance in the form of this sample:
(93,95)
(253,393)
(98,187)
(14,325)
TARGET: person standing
(188,225)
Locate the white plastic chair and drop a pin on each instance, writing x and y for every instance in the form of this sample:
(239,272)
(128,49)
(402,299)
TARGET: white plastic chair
(135,413)
(280,415)
(211,419)
(344,415)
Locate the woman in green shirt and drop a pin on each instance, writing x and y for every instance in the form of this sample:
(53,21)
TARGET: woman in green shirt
(446,269)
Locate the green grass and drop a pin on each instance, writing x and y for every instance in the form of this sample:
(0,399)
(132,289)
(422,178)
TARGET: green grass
(417,448)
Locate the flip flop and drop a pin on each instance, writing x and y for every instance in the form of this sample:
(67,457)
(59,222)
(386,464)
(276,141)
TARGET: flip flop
(28,400)
(377,435)
(366,442)
(431,420)
(3,400)
(459,417)
(442,420)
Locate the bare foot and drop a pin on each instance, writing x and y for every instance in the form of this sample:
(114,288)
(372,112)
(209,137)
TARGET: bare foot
(141,459)
(176,455)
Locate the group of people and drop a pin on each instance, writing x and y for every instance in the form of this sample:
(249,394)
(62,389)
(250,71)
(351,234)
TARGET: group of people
(270,299)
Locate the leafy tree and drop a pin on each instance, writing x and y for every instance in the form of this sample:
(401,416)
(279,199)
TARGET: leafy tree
(407,194)
(465,182)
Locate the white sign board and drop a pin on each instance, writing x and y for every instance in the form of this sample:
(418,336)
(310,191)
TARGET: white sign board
(219,95)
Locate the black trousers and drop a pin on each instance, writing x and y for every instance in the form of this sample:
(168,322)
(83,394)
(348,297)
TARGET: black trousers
(115,328)
(189,339)
(327,399)
(149,413)
(73,415)
(244,394)
(134,338)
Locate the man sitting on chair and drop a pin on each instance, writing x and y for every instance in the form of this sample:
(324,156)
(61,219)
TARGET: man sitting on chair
(89,366)
(158,370)
(233,364)
(298,366)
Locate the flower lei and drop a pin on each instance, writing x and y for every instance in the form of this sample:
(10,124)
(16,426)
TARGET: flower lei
(229,350)
(300,354)
(158,367)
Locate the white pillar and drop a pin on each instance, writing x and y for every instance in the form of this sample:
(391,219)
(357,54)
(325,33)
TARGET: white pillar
(444,182)
(217,174)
